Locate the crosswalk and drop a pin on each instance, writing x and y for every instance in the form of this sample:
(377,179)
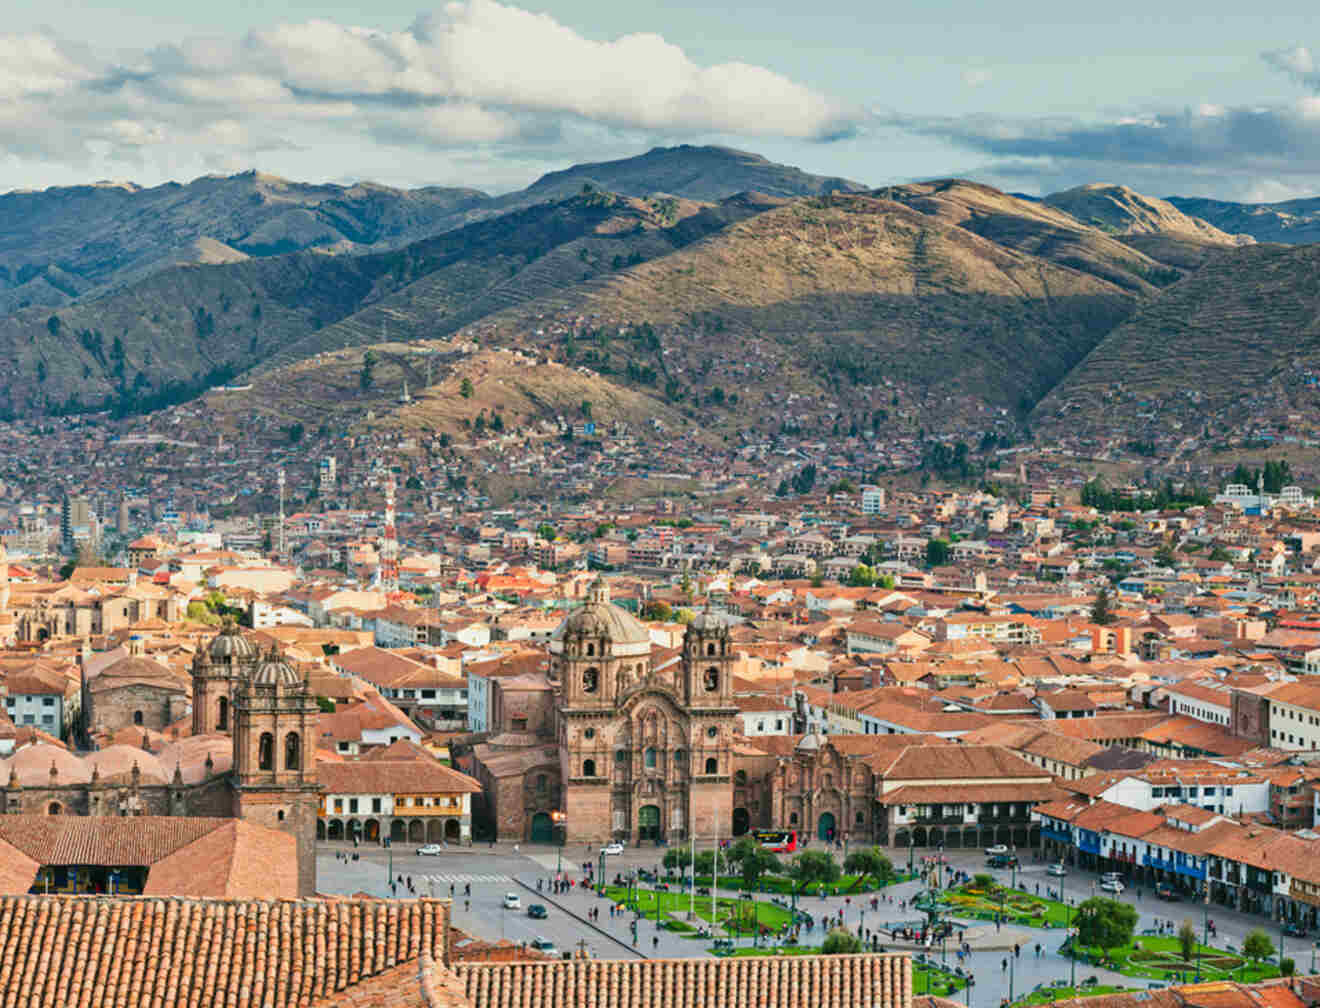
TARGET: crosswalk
(463,879)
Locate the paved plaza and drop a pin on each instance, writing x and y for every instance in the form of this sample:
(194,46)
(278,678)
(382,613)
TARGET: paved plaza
(493,871)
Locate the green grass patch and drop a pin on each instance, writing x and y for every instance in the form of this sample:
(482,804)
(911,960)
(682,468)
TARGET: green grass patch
(1160,958)
(786,950)
(928,978)
(1018,907)
(783,886)
(1049,995)
(737,917)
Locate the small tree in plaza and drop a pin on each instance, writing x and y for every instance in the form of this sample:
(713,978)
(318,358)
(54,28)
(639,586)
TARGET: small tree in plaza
(813,868)
(1105,923)
(870,862)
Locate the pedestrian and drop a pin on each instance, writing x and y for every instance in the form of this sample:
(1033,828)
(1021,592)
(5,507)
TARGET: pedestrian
(1004,967)
(655,942)
(1017,951)
(1037,950)
(467,905)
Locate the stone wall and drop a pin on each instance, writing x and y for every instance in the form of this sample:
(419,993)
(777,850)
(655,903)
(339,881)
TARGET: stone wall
(113,709)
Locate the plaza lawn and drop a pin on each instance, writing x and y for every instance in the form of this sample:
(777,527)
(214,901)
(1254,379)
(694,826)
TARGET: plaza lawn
(932,979)
(1160,958)
(1048,995)
(1018,907)
(784,886)
(777,950)
(735,916)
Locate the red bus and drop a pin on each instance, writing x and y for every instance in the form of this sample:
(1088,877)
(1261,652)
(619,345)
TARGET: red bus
(777,841)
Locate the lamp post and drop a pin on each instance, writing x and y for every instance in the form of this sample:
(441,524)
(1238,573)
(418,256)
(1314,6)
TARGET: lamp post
(389,853)
(557,818)
(1205,926)
(910,865)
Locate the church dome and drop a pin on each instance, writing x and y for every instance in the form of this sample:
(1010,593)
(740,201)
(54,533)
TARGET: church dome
(707,622)
(230,642)
(275,671)
(599,619)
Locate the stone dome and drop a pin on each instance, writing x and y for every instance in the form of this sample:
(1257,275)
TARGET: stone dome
(598,618)
(114,766)
(275,671)
(230,643)
(31,766)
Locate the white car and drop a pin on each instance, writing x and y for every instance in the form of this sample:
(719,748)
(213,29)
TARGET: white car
(997,849)
(1057,870)
(614,848)
(512,901)
(1112,885)
(431,848)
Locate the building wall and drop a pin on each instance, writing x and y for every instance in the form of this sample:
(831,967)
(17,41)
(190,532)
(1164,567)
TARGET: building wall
(113,709)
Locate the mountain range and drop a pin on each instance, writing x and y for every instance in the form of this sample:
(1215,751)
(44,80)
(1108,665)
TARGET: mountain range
(670,279)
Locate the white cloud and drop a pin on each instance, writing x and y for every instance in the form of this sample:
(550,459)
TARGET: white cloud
(475,72)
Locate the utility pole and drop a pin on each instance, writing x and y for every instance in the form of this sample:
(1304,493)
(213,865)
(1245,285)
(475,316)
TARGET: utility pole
(715,870)
(692,868)
(281,482)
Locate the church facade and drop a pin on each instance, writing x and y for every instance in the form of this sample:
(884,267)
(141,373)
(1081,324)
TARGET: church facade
(252,756)
(632,743)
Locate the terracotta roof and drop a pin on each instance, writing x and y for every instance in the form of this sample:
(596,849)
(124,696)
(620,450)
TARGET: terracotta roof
(961,763)
(853,981)
(393,777)
(116,952)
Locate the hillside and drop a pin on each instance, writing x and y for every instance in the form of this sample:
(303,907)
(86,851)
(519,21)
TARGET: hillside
(708,174)
(1036,229)
(60,244)
(1118,210)
(848,291)
(198,325)
(1217,340)
(1292,222)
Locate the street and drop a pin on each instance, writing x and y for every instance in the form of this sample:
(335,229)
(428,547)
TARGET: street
(494,871)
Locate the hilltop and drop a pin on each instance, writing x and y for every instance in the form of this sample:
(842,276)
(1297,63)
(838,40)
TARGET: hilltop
(1291,222)
(1118,210)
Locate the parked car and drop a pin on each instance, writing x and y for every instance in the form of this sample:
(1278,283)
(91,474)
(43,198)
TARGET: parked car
(1111,876)
(1293,930)
(1001,861)
(431,848)
(1167,892)
(512,901)
(546,946)
(1057,870)
(614,848)
(1112,885)
(536,912)
(997,849)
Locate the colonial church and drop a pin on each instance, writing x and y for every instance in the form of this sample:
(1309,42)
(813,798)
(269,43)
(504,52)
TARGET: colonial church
(621,740)
(251,756)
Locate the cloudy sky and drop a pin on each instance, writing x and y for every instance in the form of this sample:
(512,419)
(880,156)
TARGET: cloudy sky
(1194,98)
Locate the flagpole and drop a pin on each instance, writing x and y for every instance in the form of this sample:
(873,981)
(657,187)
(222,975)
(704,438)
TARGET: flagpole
(715,870)
(692,866)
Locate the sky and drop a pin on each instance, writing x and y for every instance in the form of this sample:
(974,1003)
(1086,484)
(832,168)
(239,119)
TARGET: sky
(1177,97)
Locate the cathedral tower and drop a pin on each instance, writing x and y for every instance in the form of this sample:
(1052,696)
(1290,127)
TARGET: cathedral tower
(228,660)
(275,758)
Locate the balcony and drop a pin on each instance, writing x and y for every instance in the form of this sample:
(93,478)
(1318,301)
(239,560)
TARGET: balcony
(943,819)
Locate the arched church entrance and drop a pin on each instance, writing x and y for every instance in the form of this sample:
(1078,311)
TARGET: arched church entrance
(543,829)
(742,822)
(825,827)
(648,824)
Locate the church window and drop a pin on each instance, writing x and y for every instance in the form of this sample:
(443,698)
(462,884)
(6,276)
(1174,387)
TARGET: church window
(54,808)
(222,721)
(137,717)
(589,733)
(292,751)
(740,778)
(590,680)
(861,818)
(280,815)
(792,819)
(589,768)
(712,731)
(650,758)
(712,765)
(680,755)
(710,650)
(591,650)
(711,680)
(540,782)
(266,752)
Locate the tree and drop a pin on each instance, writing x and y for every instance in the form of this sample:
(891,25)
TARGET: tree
(545,531)
(677,859)
(1257,946)
(862,576)
(1105,923)
(1101,614)
(813,868)
(1220,555)
(465,388)
(752,861)
(585,409)
(367,377)
(658,611)
(53,325)
(870,862)
(841,941)
(937,553)
(1187,941)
